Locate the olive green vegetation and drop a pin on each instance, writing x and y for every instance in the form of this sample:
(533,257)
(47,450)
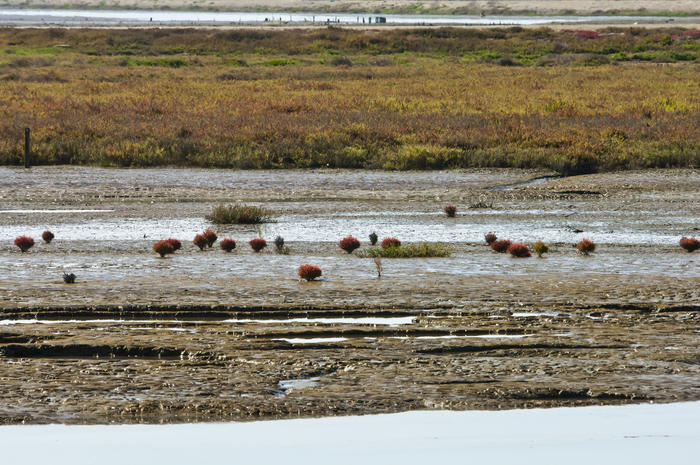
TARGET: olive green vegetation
(396,99)
(422,250)
(239,214)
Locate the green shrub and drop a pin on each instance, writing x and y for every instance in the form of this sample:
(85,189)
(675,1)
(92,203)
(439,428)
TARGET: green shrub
(239,214)
(540,248)
(422,250)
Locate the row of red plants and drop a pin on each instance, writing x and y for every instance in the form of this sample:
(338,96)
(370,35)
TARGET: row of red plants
(349,244)
(520,250)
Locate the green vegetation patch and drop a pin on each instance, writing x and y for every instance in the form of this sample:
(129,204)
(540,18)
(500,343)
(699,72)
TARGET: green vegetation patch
(422,250)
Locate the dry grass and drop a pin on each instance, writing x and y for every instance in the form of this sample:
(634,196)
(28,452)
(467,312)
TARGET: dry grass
(274,99)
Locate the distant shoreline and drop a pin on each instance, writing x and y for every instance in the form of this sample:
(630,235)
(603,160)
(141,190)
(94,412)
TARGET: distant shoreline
(456,8)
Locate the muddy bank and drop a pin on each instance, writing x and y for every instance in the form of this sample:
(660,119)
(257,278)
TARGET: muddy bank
(472,358)
(210,336)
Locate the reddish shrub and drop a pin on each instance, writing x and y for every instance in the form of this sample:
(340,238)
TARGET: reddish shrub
(200,241)
(210,236)
(24,243)
(258,244)
(540,248)
(390,242)
(585,246)
(501,246)
(490,238)
(163,248)
(583,34)
(349,244)
(309,272)
(47,236)
(228,244)
(177,245)
(450,211)
(690,244)
(518,250)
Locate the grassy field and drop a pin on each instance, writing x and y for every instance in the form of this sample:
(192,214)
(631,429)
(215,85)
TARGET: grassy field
(570,101)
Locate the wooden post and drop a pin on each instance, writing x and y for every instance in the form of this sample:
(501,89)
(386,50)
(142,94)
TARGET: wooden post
(26,148)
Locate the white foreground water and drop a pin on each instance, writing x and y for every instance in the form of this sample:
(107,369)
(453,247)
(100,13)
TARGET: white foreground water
(636,434)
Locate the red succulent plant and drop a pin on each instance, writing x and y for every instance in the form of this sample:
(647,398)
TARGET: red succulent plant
(349,244)
(500,246)
(390,242)
(257,244)
(309,272)
(518,250)
(24,243)
(228,244)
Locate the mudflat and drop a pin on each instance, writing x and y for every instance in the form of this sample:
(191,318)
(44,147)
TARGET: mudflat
(209,335)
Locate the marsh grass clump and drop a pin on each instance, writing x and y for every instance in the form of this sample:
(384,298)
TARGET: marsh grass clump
(490,238)
(518,250)
(228,244)
(500,246)
(689,244)
(349,244)
(238,214)
(309,272)
(422,250)
(373,238)
(450,211)
(163,248)
(177,245)
(389,242)
(257,244)
(279,243)
(69,278)
(210,237)
(47,236)
(24,243)
(200,241)
(585,247)
(540,248)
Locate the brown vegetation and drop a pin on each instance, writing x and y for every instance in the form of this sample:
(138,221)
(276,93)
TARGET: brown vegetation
(272,99)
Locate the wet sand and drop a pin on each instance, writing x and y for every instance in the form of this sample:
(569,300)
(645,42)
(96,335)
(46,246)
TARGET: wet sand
(476,330)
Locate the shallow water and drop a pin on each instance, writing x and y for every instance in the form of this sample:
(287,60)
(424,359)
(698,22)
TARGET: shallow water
(159,17)
(603,227)
(313,340)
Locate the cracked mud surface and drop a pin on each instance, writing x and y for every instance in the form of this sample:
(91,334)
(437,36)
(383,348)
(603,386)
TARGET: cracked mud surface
(209,336)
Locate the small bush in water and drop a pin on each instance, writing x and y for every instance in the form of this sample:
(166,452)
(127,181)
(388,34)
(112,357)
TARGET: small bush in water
(689,244)
(501,246)
(309,272)
(450,211)
(585,246)
(349,244)
(490,238)
(47,236)
(68,278)
(390,242)
(24,243)
(163,248)
(257,244)
(210,236)
(279,243)
(540,248)
(200,241)
(373,238)
(228,244)
(177,245)
(518,250)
